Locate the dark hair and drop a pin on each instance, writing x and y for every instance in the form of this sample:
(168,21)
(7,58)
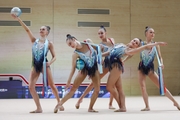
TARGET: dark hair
(48,29)
(140,40)
(146,29)
(102,27)
(70,37)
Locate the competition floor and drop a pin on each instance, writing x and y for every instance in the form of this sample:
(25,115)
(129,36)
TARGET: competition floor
(161,109)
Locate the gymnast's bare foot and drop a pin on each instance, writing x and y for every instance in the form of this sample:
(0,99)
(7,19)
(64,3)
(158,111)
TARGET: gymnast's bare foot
(92,110)
(78,104)
(36,111)
(146,109)
(111,107)
(56,109)
(177,105)
(120,110)
(60,107)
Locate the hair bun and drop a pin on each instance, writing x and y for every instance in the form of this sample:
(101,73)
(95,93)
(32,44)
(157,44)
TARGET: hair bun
(49,27)
(68,35)
(146,27)
(101,26)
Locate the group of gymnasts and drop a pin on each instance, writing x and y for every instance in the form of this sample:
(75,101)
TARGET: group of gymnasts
(114,56)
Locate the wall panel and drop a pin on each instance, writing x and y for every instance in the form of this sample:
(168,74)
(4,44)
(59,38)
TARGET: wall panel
(127,19)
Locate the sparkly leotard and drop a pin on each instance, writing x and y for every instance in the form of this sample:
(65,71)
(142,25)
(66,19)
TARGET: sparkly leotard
(105,49)
(115,55)
(90,60)
(146,63)
(38,54)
